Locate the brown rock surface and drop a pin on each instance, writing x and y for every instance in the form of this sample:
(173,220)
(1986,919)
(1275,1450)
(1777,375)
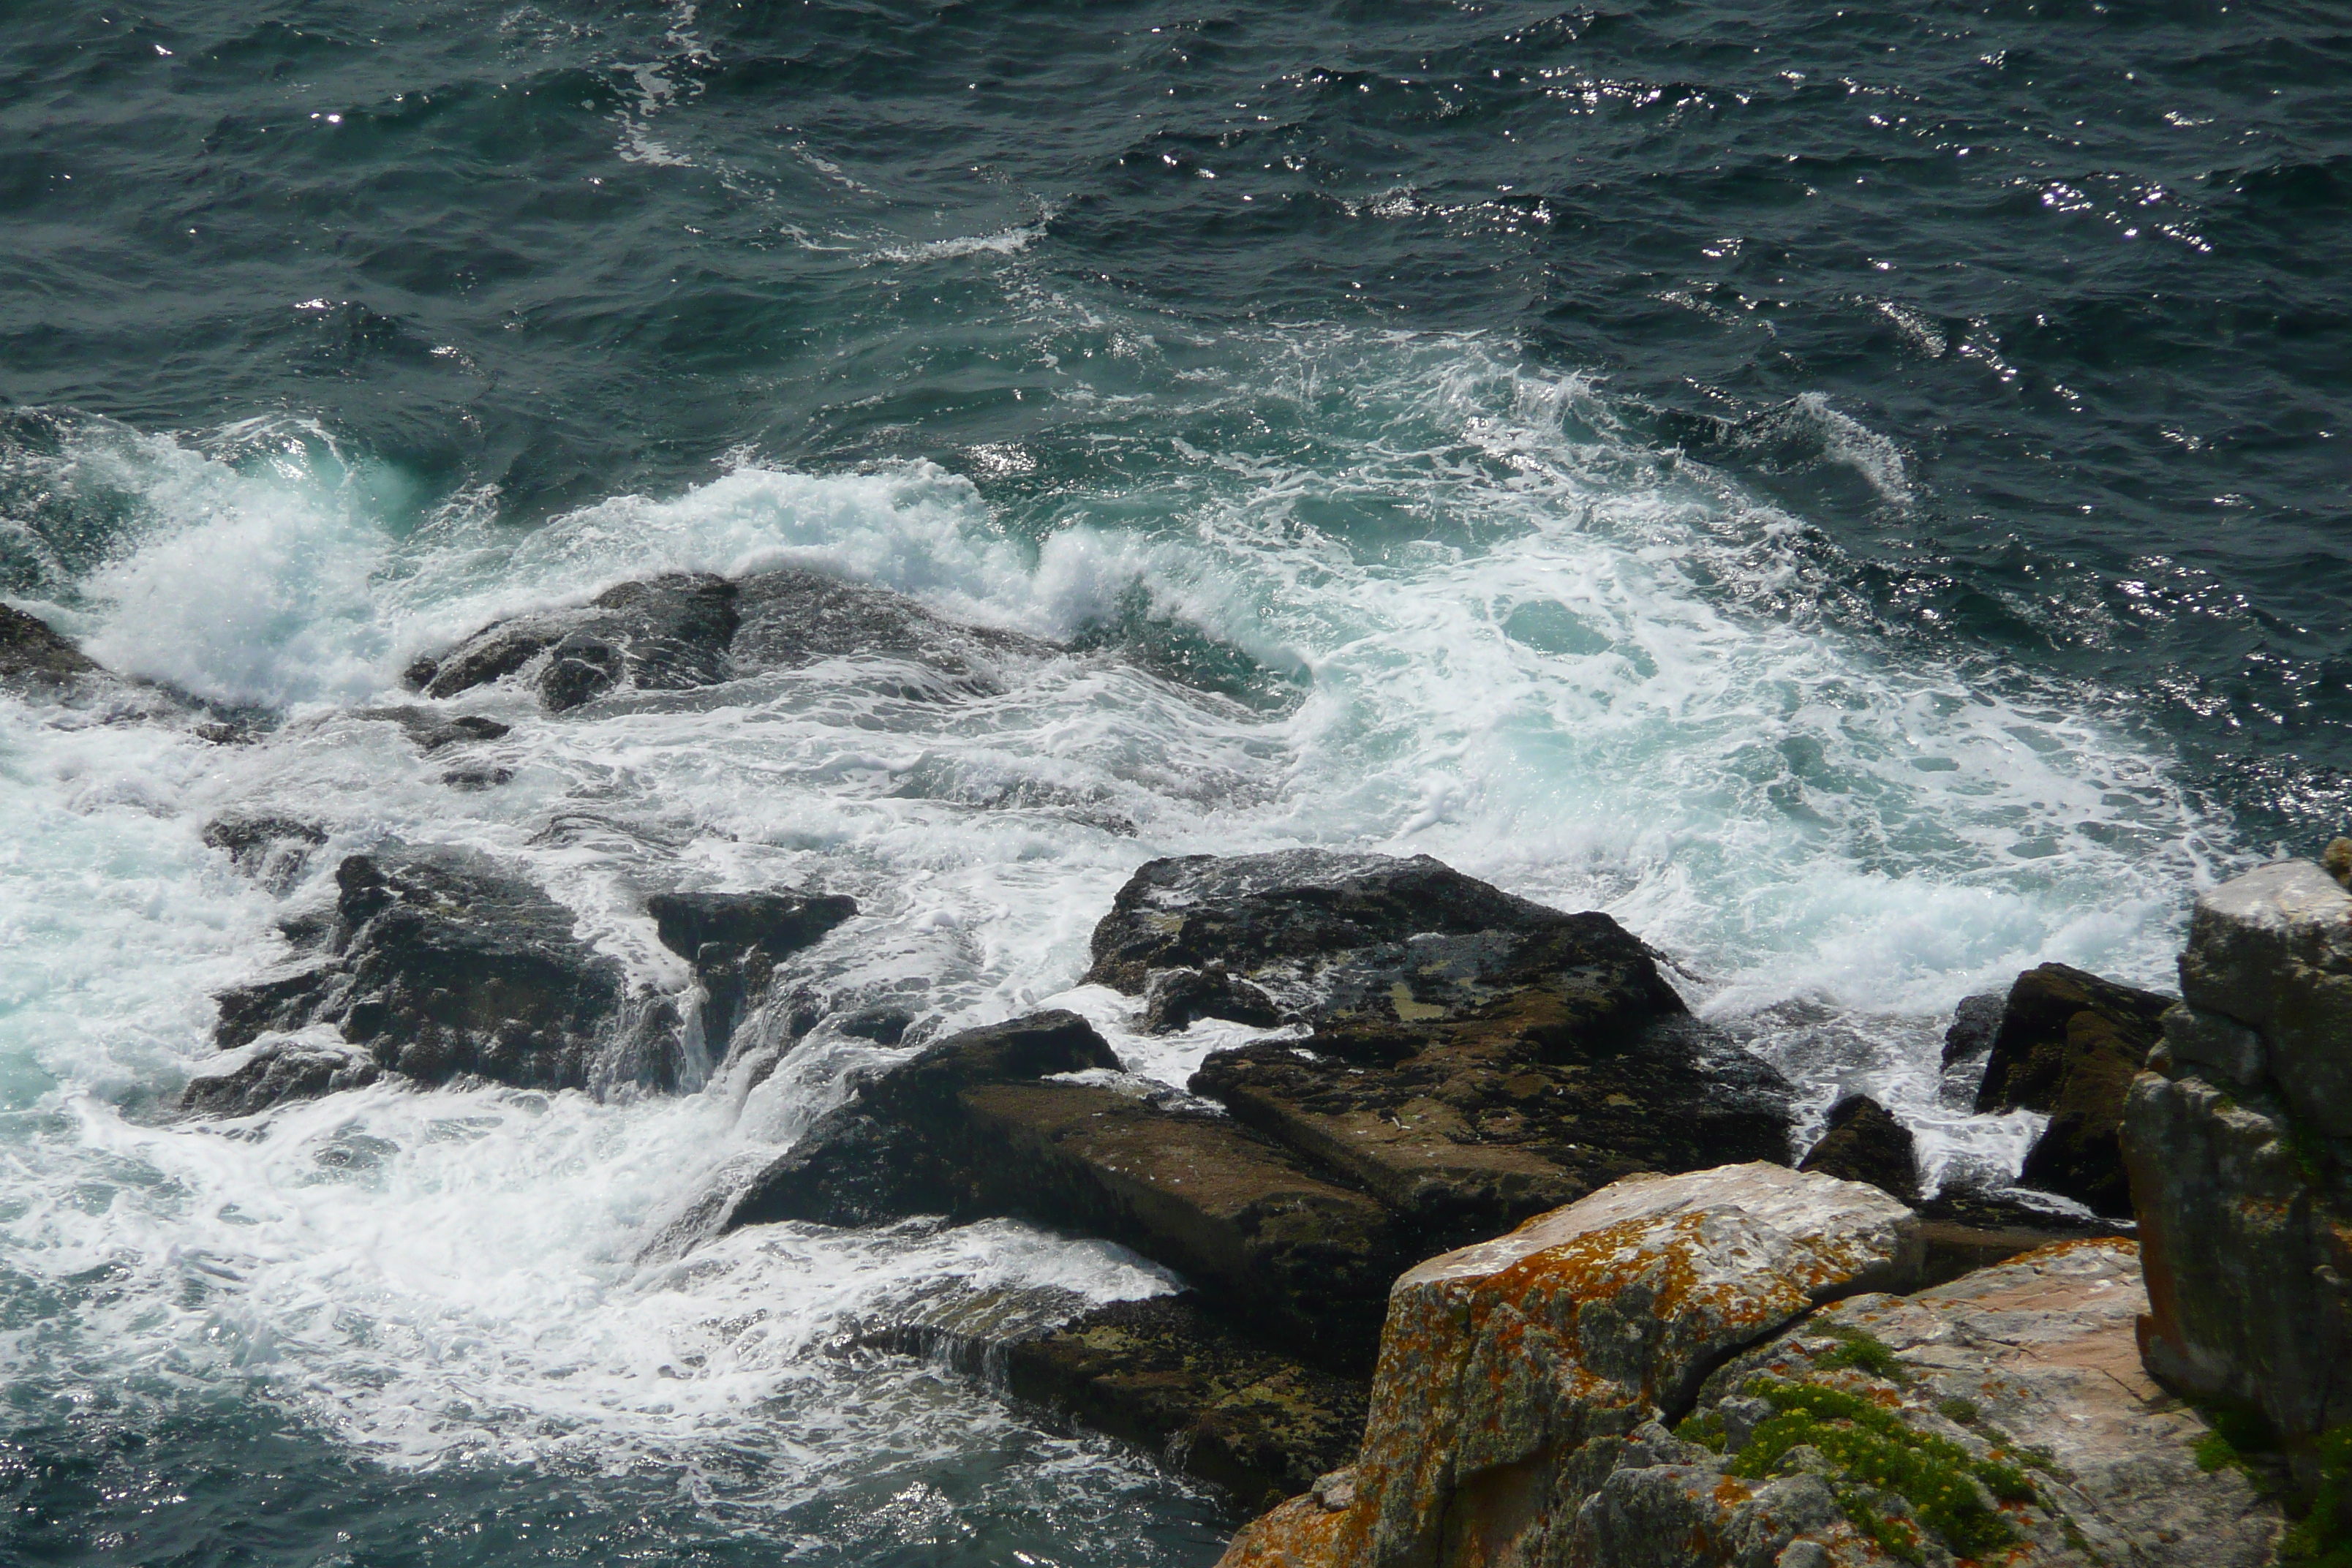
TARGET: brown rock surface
(2070,1044)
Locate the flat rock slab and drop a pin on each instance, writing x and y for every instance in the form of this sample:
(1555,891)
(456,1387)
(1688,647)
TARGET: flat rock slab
(2033,1367)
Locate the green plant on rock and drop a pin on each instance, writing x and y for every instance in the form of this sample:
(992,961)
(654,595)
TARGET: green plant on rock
(1704,1427)
(1960,1412)
(1872,1449)
(1863,1351)
(2323,1538)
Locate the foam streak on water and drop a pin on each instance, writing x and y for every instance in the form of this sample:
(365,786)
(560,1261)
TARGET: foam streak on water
(1512,636)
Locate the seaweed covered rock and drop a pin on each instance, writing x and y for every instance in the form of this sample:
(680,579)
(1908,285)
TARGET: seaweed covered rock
(685,630)
(1217,1403)
(1864,1142)
(2242,1168)
(1516,1374)
(2070,1044)
(1475,1058)
(439,964)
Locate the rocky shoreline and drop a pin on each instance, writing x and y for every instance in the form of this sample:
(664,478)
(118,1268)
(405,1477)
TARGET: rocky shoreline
(1495,1254)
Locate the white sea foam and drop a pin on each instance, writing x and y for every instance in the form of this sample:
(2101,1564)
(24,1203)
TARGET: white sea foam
(1526,648)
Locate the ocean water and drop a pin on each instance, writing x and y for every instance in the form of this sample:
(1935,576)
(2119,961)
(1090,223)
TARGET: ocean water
(1858,495)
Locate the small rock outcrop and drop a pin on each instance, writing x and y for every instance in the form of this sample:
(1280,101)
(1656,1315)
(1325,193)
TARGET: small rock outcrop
(1864,1142)
(440,965)
(1707,1371)
(274,850)
(1516,1375)
(973,1127)
(1476,1058)
(32,652)
(1216,1403)
(734,941)
(2070,1044)
(685,630)
(2238,1141)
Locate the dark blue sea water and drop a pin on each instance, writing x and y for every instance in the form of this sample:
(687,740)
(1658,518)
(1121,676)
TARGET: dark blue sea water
(1859,492)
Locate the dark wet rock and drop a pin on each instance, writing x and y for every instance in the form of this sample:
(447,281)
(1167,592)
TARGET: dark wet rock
(1476,1058)
(2070,1044)
(1215,1403)
(794,617)
(1179,996)
(734,941)
(685,630)
(33,652)
(1864,1143)
(431,729)
(273,850)
(971,1129)
(1967,1046)
(1975,1024)
(1243,1219)
(896,1149)
(664,635)
(441,964)
(475,776)
(287,1071)
(1966,1229)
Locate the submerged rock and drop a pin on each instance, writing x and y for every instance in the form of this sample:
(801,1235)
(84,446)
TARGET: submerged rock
(441,964)
(1864,1142)
(433,730)
(1516,1374)
(2070,1044)
(273,850)
(1476,1058)
(734,941)
(2242,1165)
(687,630)
(32,652)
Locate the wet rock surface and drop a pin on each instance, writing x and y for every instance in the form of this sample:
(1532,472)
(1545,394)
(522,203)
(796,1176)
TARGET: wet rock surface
(1967,1229)
(433,730)
(33,652)
(1864,1142)
(1213,1402)
(2070,1044)
(1475,1058)
(440,965)
(2239,1170)
(972,1127)
(272,849)
(734,941)
(683,630)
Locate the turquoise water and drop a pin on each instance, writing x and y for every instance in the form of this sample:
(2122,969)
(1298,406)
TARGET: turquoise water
(1856,498)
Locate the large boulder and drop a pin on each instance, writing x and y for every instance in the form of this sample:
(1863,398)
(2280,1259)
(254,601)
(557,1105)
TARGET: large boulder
(2070,1044)
(2242,1165)
(685,630)
(1516,1374)
(441,964)
(1475,1058)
